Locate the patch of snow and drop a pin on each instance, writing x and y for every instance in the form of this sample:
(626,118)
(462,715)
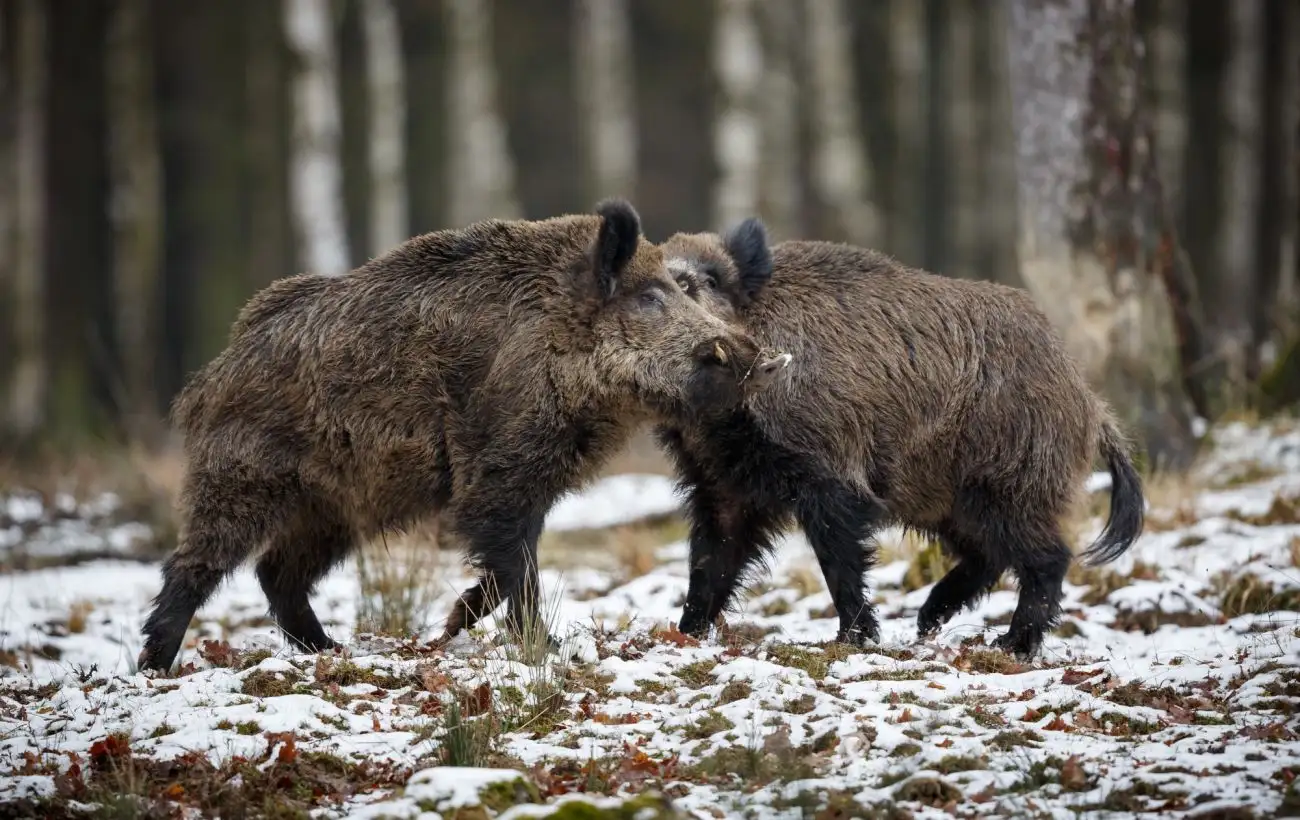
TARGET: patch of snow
(617,499)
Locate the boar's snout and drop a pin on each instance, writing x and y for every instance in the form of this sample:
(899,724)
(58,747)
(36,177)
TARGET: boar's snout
(733,366)
(767,368)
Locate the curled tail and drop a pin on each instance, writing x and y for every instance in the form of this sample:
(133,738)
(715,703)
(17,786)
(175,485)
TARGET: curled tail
(1127,507)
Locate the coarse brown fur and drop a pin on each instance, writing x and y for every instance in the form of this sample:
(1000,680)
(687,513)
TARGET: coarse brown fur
(947,406)
(473,374)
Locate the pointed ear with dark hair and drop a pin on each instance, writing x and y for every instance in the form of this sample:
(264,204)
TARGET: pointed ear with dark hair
(746,244)
(616,242)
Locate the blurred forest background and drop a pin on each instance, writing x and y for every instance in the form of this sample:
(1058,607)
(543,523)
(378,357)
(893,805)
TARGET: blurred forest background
(1133,163)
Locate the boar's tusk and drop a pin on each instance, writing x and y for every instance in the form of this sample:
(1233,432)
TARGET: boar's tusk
(719,352)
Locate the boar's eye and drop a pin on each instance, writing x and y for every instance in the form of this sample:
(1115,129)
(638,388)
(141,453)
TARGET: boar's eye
(711,277)
(651,298)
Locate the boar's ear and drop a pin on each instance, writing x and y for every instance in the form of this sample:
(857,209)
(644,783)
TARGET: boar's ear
(616,241)
(746,244)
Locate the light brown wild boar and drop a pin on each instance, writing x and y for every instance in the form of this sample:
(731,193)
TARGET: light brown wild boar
(947,406)
(475,375)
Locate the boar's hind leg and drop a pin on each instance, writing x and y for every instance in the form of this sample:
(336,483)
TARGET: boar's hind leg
(226,520)
(292,566)
(727,538)
(839,521)
(1040,561)
(966,583)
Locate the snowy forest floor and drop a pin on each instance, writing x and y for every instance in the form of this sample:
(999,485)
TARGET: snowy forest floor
(1172,684)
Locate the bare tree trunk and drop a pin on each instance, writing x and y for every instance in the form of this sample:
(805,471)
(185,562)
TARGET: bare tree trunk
(1236,284)
(136,210)
(606,94)
(1169,73)
(27,401)
(841,175)
(389,223)
(8,184)
(1098,249)
(962,143)
(737,136)
(316,176)
(781,199)
(481,175)
(1273,311)
(267,217)
(997,171)
(907,85)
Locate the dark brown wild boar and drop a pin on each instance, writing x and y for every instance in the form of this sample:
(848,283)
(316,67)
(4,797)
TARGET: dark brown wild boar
(946,406)
(473,374)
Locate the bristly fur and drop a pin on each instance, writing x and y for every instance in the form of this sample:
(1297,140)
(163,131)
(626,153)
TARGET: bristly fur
(474,374)
(947,406)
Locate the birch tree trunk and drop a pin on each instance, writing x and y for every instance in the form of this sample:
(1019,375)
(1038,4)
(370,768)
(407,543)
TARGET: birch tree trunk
(737,139)
(30,386)
(135,210)
(1097,248)
(780,195)
(1235,286)
(481,174)
(907,84)
(389,222)
(841,175)
(606,95)
(316,176)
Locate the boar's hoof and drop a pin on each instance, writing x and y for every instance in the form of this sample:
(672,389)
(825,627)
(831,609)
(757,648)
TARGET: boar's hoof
(858,636)
(1022,647)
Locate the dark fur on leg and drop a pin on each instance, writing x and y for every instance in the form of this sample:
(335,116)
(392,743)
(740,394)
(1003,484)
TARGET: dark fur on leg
(292,566)
(962,587)
(1043,561)
(839,521)
(224,520)
(725,546)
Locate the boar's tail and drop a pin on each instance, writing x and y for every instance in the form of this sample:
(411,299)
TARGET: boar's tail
(1127,506)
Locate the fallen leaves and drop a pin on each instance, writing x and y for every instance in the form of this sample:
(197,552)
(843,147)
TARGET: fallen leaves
(674,636)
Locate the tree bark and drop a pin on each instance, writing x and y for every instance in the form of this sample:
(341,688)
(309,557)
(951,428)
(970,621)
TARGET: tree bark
(8,184)
(781,194)
(30,387)
(907,84)
(737,136)
(841,175)
(481,173)
(1098,248)
(268,222)
(1235,288)
(1169,81)
(997,170)
(389,222)
(606,95)
(962,145)
(316,176)
(135,211)
(1273,310)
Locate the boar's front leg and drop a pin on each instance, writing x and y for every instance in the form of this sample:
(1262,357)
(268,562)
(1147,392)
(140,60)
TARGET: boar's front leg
(502,544)
(727,538)
(838,522)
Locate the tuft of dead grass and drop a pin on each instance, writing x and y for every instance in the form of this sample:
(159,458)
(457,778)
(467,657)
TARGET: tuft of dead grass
(1248,594)
(399,579)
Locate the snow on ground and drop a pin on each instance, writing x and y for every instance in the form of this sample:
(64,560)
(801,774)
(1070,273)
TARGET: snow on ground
(1172,685)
